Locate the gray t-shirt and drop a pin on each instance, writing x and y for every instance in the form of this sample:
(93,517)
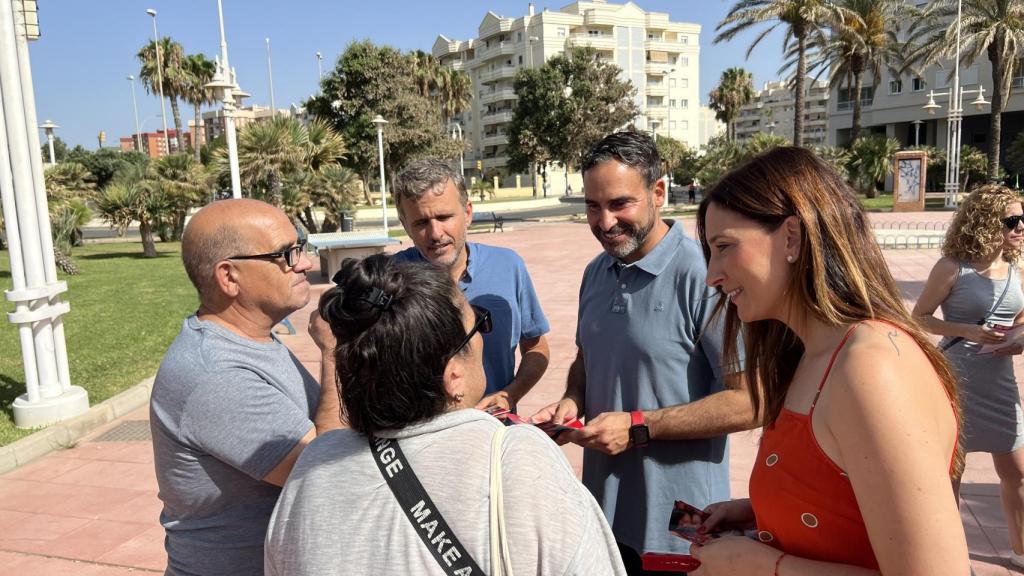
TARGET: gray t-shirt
(338,516)
(642,331)
(225,411)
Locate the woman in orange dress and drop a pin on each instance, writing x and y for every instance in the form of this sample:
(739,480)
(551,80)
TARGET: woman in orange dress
(859,408)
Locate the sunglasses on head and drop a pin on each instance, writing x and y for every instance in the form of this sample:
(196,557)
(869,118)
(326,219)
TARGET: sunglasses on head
(1011,222)
(482,325)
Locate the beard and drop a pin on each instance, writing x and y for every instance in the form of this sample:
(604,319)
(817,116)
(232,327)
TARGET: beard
(636,235)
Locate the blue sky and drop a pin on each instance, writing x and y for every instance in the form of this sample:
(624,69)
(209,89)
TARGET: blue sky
(87,49)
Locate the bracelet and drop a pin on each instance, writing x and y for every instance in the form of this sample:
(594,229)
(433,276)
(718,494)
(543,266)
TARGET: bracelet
(778,563)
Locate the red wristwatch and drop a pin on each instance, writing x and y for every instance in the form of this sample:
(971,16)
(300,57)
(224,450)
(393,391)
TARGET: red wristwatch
(639,434)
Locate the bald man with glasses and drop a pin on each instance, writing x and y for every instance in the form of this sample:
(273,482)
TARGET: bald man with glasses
(232,408)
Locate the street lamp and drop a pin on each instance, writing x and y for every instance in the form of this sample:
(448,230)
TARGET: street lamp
(771,127)
(319,65)
(954,119)
(379,122)
(457,135)
(135,108)
(917,131)
(49,126)
(223,85)
(160,79)
(270,80)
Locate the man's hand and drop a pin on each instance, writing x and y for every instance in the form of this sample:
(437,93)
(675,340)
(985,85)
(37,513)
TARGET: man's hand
(560,412)
(320,330)
(609,433)
(500,398)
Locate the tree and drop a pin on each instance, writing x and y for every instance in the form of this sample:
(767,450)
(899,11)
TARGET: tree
(735,90)
(802,18)
(994,28)
(672,152)
(837,158)
(871,161)
(133,197)
(1015,155)
(863,38)
(565,107)
(720,156)
(760,143)
(60,150)
(106,163)
(454,91)
(267,151)
(198,72)
(175,79)
(69,185)
(370,80)
(184,184)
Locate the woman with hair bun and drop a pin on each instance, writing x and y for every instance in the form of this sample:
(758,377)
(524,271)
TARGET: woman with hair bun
(409,368)
(978,287)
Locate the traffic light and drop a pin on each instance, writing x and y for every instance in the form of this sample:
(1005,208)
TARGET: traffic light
(479,165)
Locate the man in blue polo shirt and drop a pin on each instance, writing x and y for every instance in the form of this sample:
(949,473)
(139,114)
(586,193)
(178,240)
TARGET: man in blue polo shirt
(648,373)
(435,211)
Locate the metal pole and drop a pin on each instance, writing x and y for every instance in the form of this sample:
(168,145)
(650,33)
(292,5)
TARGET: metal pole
(270,80)
(135,108)
(49,143)
(319,65)
(954,124)
(160,80)
(383,182)
(229,112)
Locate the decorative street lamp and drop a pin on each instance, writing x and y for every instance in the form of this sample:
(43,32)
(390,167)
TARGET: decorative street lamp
(379,122)
(954,119)
(457,135)
(319,65)
(135,108)
(223,86)
(160,80)
(270,80)
(49,126)
(917,131)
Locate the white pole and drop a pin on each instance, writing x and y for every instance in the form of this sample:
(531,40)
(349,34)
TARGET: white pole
(135,108)
(383,182)
(49,144)
(270,81)
(319,65)
(229,112)
(160,80)
(954,124)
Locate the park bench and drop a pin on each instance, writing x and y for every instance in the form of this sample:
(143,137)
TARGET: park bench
(493,218)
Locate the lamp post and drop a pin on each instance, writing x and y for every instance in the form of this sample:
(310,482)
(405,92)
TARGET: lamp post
(270,81)
(379,122)
(49,126)
(223,85)
(771,127)
(319,65)
(917,132)
(457,135)
(135,109)
(954,119)
(529,62)
(160,79)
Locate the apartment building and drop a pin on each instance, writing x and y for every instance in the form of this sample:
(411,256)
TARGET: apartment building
(153,144)
(773,110)
(659,56)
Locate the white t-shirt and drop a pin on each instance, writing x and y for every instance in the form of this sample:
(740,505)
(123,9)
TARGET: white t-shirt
(337,515)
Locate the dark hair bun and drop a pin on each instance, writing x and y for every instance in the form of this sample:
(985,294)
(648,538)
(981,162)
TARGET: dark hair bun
(345,306)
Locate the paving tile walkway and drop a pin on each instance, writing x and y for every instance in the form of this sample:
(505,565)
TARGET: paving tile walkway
(91,509)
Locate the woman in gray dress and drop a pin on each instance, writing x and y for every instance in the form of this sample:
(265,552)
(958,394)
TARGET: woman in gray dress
(979,288)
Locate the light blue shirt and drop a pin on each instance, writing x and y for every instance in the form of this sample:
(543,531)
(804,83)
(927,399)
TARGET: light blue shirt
(496,279)
(641,330)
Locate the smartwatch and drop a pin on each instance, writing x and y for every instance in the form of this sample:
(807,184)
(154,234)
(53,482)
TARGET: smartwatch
(639,434)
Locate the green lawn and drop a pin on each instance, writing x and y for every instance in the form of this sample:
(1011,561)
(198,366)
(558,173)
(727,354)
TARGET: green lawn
(883,203)
(125,311)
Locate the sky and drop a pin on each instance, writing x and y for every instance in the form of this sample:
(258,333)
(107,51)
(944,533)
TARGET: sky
(87,48)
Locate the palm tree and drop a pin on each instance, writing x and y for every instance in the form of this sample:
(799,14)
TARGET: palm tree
(994,28)
(803,19)
(267,151)
(322,145)
(871,162)
(425,70)
(863,38)
(175,83)
(185,184)
(735,90)
(454,91)
(134,198)
(199,72)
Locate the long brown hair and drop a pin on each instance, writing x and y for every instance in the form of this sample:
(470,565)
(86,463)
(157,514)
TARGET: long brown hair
(844,278)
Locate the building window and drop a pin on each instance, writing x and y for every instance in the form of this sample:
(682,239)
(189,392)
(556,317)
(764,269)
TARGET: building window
(593,32)
(684,125)
(684,39)
(520,60)
(683,61)
(684,103)
(918,84)
(672,103)
(686,82)
(1018,73)
(561,32)
(519,36)
(895,87)
(651,36)
(672,125)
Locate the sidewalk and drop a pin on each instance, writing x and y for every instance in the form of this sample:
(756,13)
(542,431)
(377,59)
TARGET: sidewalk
(92,509)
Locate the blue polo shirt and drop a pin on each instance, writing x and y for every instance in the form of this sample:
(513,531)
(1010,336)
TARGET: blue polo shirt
(642,332)
(496,279)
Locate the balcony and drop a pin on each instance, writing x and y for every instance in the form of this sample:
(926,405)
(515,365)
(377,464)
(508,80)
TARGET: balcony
(495,162)
(656,90)
(498,96)
(496,118)
(845,105)
(498,74)
(664,45)
(656,111)
(657,68)
(506,48)
(602,42)
(494,140)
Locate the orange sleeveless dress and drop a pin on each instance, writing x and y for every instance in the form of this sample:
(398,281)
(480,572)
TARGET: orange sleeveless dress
(804,504)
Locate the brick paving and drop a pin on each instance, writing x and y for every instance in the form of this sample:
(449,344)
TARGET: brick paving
(91,509)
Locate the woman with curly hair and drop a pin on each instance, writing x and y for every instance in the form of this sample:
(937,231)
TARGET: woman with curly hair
(977,284)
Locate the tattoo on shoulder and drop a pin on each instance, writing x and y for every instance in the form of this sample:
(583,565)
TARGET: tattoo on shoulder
(893,334)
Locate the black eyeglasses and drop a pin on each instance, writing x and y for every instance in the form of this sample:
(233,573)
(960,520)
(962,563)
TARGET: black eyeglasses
(483,325)
(1011,222)
(291,255)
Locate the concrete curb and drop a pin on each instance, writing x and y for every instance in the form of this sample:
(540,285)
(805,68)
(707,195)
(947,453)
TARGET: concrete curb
(66,434)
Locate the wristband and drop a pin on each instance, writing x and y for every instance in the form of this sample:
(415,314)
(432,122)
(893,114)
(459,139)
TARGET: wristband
(778,563)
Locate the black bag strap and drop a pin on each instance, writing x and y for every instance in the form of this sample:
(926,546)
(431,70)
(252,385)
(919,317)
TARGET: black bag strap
(425,518)
(991,311)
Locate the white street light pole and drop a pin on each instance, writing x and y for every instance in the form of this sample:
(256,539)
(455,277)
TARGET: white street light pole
(222,82)
(457,135)
(270,80)
(135,108)
(319,65)
(160,79)
(49,126)
(529,52)
(379,121)
(917,132)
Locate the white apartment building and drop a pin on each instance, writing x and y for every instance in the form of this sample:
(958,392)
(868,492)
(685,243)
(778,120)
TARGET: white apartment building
(659,56)
(772,112)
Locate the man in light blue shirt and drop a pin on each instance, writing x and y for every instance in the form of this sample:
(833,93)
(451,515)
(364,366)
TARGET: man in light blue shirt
(434,208)
(648,373)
